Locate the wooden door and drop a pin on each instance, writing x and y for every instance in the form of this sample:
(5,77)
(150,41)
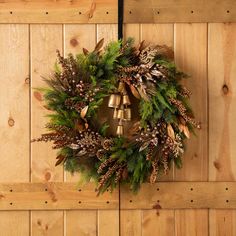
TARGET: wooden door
(205,51)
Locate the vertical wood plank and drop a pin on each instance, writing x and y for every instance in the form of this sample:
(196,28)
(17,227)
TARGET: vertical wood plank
(132,30)
(222,222)
(108,222)
(158,223)
(45,39)
(162,221)
(191,57)
(191,222)
(109,33)
(222,115)
(131,220)
(82,223)
(77,37)
(162,34)
(14,119)
(147,222)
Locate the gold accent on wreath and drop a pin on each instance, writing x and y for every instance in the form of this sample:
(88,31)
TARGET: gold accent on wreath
(120,102)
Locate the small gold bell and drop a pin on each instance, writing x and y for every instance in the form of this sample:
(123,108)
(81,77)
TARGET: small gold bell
(115,114)
(127,114)
(121,87)
(126,100)
(120,114)
(114,100)
(120,130)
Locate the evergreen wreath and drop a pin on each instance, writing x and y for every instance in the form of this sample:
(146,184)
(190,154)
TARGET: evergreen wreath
(141,85)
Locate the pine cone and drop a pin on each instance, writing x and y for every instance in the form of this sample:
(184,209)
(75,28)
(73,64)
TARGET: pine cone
(107,144)
(100,153)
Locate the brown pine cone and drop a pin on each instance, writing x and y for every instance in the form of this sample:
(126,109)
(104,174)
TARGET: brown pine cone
(107,144)
(100,153)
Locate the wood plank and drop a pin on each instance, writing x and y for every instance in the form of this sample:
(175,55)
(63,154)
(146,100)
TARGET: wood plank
(131,220)
(54,195)
(222,222)
(186,220)
(162,34)
(45,39)
(65,195)
(160,222)
(180,195)
(191,57)
(222,100)
(109,33)
(82,224)
(108,223)
(77,37)
(169,11)
(132,30)
(14,118)
(105,11)
(64,11)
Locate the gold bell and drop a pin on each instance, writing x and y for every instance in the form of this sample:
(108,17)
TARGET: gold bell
(114,100)
(126,100)
(120,114)
(121,87)
(120,130)
(127,114)
(115,114)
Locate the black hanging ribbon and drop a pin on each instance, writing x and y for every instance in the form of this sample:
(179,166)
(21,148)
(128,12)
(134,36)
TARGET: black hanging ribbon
(120,18)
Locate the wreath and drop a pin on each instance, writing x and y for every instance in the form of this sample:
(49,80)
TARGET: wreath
(118,115)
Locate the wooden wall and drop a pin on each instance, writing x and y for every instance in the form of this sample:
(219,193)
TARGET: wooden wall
(206,51)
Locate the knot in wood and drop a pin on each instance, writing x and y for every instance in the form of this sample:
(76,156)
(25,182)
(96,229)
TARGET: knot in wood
(225,89)
(11,122)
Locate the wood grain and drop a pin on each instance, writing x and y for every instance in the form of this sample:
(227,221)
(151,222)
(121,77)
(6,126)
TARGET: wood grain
(131,220)
(183,195)
(82,224)
(54,196)
(159,222)
(191,57)
(45,39)
(14,118)
(188,223)
(163,222)
(222,139)
(77,37)
(108,222)
(105,11)
(77,11)
(109,33)
(65,195)
(169,11)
